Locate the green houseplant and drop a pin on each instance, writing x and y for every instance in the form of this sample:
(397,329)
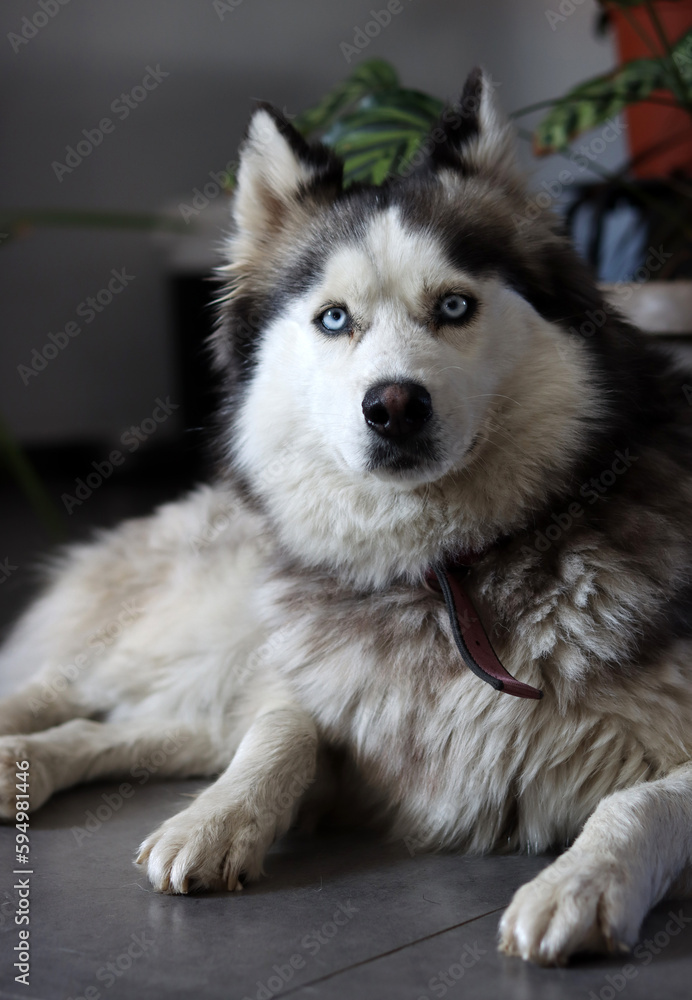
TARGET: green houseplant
(652,87)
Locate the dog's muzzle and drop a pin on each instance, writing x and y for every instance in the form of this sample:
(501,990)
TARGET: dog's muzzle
(399,415)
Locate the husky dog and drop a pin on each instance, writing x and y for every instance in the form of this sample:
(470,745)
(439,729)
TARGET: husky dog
(419,374)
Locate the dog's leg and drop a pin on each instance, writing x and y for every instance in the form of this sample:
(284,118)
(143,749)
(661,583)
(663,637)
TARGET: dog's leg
(228,829)
(82,750)
(37,706)
(596,895)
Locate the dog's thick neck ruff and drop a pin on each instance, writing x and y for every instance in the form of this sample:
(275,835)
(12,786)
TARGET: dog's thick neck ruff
(468,631)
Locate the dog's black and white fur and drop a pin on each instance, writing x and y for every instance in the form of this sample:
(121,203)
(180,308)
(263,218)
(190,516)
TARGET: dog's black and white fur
(402,385)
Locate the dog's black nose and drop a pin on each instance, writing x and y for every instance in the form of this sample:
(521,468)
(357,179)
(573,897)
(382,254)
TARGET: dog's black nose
(397,410)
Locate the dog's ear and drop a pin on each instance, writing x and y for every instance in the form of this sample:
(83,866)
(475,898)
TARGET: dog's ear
(473,136)
(278,167)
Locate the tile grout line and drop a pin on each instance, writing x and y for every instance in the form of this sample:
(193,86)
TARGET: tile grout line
(392,951)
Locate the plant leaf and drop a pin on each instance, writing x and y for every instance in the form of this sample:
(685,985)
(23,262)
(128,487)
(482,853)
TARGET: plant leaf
(378,136)
(682,56)
(370,77)
(601,98)
(372,122)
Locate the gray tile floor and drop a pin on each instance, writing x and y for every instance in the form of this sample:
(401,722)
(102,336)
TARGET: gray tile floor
(338,916)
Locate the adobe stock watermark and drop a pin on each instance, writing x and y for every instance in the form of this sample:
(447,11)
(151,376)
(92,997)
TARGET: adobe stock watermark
(98,641)
(6,569)
(132,438)
(122,107)
(222,518)
(143,770)
(452,118)
(287,798)
(87,311)
(225,513)
(564,10)
(592,490)
(107,975)
(597,318)
(445,980)
(371,29)
(262,654)
(219,182)
(581,156)
(644,953)
(224,7)
(33,23)
(311,943)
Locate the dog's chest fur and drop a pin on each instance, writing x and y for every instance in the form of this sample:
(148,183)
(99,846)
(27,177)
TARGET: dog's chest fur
(451,761)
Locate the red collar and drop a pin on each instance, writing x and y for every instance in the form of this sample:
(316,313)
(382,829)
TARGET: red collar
(467,628)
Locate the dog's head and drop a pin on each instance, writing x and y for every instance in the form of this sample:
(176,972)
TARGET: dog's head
(403,378)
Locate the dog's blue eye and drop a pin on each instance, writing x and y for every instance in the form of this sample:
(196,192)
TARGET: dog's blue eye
(453,307)
(335,320)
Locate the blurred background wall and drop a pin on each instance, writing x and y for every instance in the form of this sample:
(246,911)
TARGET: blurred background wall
(209,62)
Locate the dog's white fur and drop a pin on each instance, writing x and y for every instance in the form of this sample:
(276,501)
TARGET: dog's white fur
(235,669)
(314,408)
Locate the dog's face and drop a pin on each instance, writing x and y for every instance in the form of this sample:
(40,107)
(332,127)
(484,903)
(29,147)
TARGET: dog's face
(392,359)
(402,385)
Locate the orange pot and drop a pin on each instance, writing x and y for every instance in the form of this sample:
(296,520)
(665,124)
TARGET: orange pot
(660,138)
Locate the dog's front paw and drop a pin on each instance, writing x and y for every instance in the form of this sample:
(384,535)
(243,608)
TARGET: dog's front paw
(35,780)
(201,849)
(577,904)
